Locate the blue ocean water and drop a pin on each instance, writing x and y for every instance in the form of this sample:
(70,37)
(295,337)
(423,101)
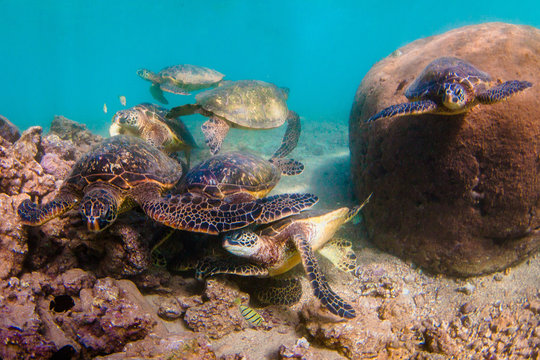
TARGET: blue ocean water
(71,57)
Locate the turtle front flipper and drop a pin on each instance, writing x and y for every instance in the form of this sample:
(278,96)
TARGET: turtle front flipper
(502,91)
(329,299)
(288,167)
(214,130)
(410,108)
(157,94)
(173,89)
(197,213)
(211,266)
(340,253)
(291,136)
(277,207)
(33,214)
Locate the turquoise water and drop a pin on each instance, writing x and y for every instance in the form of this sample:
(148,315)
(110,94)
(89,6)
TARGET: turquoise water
(71,57)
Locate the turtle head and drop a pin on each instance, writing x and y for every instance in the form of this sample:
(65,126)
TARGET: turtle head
(454,96)
(99,209)
(242,243)
(125,121)
(146,74)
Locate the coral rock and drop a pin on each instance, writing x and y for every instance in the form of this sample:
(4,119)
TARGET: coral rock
(457,194)
(13,240)
(8,130)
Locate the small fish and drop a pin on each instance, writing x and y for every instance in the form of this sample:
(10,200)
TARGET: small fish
(122,100)
(105,108)
(250,314)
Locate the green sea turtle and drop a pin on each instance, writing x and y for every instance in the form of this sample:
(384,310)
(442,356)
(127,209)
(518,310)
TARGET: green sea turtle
(149,122)
(125,170)
(449,85)
(237,175)
(180,79)
(278,247)
(247,104)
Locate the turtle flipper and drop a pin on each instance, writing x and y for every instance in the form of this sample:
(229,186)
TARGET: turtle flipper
(214,130)
(198,213)
(157,94)
(280,206)
(173,89)
(32,214)
(291,136)
(502,91)
(410,108)
(321,289)
(279,291)
(188,109)
(340,253)
(211,266)
(288,167)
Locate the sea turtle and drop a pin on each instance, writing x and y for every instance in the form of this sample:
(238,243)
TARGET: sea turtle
(237,176)
(277,247)
(247,104)
(449,85)
(180,79)
(124,170)
(149,122)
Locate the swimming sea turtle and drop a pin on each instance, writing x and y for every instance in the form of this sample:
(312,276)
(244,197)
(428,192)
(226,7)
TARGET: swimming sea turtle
(180,79)
(124,170)
(278,247)
(247,104)
(149,122)
(449,85)
(237,175)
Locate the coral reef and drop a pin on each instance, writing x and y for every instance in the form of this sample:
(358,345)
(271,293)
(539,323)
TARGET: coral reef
(8,130)
(457,194)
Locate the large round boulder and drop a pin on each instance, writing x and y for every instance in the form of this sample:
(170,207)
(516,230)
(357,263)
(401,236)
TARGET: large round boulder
(456,194)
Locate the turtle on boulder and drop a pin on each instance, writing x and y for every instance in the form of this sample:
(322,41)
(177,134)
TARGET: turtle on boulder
(449,85)
(246,104)
(180,79)
(124,170)
(277,247)
(149,122)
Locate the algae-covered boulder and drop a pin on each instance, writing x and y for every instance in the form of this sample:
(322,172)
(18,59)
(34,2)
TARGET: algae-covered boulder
(458,194)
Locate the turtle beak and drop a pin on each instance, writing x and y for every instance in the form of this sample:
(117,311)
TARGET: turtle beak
(93,225)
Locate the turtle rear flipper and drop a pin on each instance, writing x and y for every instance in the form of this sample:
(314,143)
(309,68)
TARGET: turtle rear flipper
(196,213)
(279,291)
(288,167)
(291,136)
(215,130)
(173,89)
(157,94)
(32,214)
(411,108)
(340,253)
(277,207)
(329,299)
(502,91)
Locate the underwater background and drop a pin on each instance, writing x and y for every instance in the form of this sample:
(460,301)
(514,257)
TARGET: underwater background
(70,57)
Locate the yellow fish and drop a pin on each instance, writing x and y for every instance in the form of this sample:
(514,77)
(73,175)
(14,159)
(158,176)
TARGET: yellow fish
(250,315)
(122,100)
(105,108)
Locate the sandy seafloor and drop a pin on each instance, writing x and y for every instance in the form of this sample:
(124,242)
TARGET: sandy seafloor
(323,148)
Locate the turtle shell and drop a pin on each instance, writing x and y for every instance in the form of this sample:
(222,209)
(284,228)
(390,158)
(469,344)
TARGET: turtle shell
(176,126)
(247,103)
(190,77)
(447,70)
(124,161)
(232,173)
